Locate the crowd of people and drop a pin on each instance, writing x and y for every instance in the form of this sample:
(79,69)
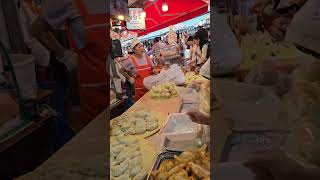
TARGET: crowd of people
(140,62)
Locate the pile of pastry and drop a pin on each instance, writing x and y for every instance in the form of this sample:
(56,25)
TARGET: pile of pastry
(192,76)
(166,90)
(188,165)
(126,160)
(134,123)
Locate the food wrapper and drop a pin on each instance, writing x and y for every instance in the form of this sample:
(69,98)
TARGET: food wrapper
(179,123)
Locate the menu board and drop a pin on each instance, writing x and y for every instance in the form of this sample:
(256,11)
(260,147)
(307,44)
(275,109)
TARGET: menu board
(137,21)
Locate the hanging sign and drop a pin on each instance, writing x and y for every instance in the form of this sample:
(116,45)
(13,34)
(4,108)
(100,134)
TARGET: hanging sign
(137,20)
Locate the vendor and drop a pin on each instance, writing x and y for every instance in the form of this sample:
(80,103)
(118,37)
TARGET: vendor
(140,66)
(87,32)
(201,40)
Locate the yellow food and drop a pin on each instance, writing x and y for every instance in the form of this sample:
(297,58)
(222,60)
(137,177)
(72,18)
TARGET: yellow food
(134,123)
(191,76)
(164,91)
(188,165)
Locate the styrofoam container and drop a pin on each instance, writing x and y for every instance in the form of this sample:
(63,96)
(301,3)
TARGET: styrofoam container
(249,107)
(24,68)
(179,124)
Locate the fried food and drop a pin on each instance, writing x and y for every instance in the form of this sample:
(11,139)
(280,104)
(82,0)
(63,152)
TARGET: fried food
(166,175)
(188,165)
(198,170)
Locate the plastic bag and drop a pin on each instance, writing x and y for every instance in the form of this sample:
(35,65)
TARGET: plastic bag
(205,69)
(175,75)
(155,80)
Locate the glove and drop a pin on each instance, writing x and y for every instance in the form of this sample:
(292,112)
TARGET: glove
(70,60)
(131,80)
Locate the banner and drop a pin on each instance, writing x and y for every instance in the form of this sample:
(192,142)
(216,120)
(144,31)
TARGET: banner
(137,20)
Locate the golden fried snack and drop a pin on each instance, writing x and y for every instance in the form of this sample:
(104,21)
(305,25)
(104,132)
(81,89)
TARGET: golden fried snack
(198,170)
(185,157)
(166,175)
(181,175)
(154,174)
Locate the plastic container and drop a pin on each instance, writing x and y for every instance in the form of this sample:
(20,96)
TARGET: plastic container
(250,107)
(168,51)
(24,68)
(178,125)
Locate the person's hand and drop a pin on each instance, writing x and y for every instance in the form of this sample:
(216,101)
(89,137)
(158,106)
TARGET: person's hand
(131,80)
(274,165)
(279,27)
(198,117)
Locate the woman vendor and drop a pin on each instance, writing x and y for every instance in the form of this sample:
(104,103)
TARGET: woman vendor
(140,66)
(201,40)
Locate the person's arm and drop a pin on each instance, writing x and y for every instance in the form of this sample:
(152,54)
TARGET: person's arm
(126,66)
(42,31)
(204,53)
(124,73)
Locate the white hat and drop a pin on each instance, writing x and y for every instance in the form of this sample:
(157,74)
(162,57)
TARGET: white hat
(134,43)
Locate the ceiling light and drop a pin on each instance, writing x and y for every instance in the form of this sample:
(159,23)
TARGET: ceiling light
(121,17)
(165,7)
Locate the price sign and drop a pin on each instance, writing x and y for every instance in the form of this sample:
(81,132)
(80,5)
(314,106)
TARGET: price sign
(137,21)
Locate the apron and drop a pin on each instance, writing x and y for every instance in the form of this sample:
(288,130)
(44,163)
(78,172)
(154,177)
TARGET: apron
(93,80)
(143,71)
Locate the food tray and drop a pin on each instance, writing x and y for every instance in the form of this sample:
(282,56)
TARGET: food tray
(186,144)
(160,158)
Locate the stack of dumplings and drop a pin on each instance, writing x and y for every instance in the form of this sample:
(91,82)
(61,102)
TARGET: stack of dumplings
(135,123)
(126,160)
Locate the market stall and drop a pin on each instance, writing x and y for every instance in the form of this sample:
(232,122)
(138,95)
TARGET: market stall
(155,134)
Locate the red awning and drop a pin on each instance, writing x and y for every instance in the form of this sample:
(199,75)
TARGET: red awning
(179,11)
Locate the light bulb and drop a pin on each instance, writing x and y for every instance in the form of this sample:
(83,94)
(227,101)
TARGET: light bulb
(121,17)
(165,7)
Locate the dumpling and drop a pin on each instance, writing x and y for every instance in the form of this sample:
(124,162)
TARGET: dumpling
(136,160)
(135,170)
(141,176)
(125,176)
(127,141)
(140,120)
(116,131)
(152,126)
(125,126)
(120,169)
(115,150)
(141,129)
(125,153)
(130,131)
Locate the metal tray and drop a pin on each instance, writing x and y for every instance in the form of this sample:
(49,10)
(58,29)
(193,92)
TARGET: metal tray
(161,157)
